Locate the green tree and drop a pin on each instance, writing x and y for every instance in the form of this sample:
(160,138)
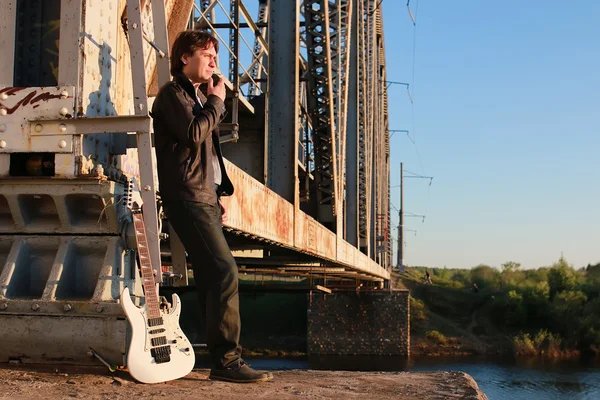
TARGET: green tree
(590,326)
(485,276)
(567,311)
(538,275)
(537,305)
(593,274)
(510,266)
(561,277)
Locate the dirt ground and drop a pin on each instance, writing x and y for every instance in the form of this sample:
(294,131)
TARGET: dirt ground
(18,382)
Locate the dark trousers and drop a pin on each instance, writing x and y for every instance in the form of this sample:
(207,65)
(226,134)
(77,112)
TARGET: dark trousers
(199,227)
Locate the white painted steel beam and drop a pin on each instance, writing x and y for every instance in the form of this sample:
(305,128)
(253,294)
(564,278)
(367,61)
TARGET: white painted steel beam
(144,141)
(8,21)
(70,50)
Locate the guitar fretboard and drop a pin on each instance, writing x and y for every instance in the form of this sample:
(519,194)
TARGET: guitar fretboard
(148,282)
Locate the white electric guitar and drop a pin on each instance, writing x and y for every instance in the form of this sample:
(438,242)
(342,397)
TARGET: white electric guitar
(159,351)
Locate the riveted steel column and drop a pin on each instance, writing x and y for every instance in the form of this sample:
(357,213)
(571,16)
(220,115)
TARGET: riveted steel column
(161,34)
(351,147)
(8,21)
(144,141)
(69,50)
(283,125)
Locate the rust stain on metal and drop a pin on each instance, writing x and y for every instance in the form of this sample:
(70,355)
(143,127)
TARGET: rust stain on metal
(282,222)
(311,235)
(327,242)
(256,210)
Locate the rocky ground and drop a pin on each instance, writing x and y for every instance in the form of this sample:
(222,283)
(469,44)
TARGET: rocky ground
(17,382)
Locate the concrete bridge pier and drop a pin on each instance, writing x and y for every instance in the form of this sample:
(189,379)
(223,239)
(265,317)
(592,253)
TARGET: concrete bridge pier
(363,323)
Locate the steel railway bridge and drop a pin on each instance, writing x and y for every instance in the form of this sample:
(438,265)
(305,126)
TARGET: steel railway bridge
(306,141)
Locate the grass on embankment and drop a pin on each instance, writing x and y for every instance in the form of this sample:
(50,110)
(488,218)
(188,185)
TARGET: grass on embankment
(442,319)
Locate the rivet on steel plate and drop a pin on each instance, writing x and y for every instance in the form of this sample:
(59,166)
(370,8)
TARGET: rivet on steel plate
(2,128)
(99,308)
(62,127)
(63,111)
(2,111)
(147,188)
(38,127)
(3,306)
(67,307)
(141,106)
(62,144)
(35,307)
(2,144)
(64,94)
(3,96)
(134,25)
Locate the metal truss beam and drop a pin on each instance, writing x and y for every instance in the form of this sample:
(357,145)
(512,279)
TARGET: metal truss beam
(350,164)
(363,130)
(341,20)
(258,69)
(321,109)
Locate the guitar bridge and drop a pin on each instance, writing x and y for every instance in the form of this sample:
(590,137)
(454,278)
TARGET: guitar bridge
(161,354)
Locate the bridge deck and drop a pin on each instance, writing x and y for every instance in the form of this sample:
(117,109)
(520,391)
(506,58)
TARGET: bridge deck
(264,218)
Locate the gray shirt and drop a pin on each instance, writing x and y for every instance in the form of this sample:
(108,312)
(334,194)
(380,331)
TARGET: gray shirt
(214,159)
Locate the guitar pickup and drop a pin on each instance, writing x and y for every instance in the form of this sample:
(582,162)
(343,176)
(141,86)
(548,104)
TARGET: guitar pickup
(162,340)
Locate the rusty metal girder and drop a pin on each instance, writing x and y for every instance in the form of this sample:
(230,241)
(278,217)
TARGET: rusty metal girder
(258,211)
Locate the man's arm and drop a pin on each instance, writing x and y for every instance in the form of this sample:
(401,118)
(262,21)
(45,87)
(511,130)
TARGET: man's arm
(177,113)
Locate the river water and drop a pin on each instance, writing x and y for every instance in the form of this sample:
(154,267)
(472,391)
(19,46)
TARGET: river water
(499,380)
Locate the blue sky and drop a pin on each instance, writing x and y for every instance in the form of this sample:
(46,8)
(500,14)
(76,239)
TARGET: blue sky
(507,120)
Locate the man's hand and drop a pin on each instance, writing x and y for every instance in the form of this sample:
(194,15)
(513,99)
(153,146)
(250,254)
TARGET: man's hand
(223,212)
(218,89)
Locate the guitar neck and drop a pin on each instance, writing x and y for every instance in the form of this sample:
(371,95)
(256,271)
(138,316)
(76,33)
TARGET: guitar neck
(148,281)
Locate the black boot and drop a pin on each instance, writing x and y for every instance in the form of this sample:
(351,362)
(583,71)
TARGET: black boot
(239,372)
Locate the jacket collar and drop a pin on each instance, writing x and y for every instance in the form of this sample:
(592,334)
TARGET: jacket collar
(185,83)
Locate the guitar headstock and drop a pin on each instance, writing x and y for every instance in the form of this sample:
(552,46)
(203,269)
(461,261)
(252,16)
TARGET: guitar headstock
(133,198)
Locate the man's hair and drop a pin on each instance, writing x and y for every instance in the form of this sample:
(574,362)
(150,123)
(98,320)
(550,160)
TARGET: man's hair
(187,42)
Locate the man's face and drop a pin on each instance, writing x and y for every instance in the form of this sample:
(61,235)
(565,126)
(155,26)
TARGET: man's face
(200,66)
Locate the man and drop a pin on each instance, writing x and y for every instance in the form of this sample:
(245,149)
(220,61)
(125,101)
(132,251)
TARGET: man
(192,177)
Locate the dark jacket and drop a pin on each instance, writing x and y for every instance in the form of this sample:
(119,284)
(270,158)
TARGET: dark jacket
(184,133)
